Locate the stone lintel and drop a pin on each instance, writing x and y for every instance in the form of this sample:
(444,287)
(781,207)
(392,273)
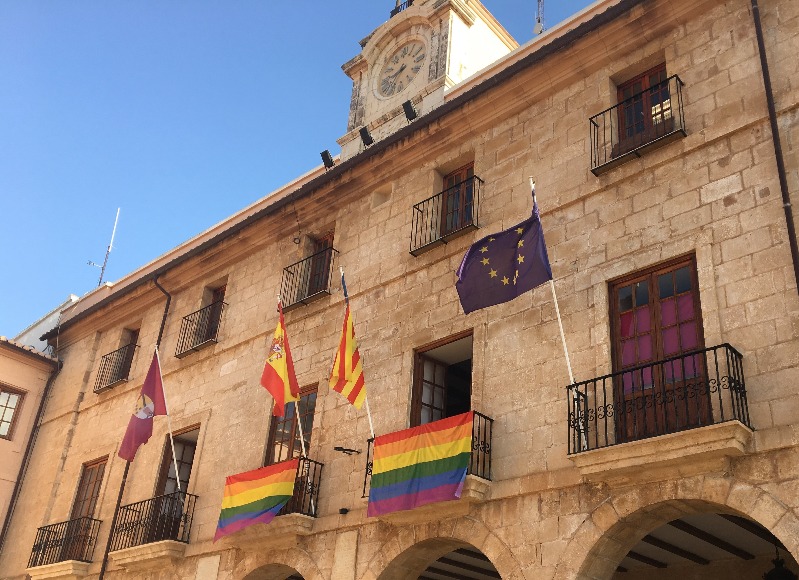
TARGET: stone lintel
(695,450)
(281,533)
(475,490)
(69,570)
(147,556)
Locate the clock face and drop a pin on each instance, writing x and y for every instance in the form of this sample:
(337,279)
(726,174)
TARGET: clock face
(401,68)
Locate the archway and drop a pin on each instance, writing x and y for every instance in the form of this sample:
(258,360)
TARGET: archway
(704,545)
(686,539)
(274,572)
(441,559)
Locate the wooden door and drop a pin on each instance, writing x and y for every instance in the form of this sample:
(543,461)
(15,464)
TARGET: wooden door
(319,275)
(656,320)
(457,203)
(644,110)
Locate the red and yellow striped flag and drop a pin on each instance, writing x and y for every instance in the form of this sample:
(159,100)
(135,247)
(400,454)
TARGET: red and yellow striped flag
(278,377)
(346,377)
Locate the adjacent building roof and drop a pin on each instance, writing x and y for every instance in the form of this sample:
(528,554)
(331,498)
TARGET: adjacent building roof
(28,350)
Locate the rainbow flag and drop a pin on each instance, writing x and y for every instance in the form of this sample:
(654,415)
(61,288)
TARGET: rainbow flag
(255,497)
(420,465)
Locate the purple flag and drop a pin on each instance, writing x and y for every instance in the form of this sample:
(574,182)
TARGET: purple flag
(151,402)
(500,267)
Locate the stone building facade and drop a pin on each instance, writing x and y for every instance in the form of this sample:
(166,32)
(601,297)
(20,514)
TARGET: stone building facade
(673,451)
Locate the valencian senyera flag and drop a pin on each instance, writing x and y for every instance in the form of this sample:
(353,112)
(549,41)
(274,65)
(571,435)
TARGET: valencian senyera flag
(346,377)
(255,497)
(151,402)
(502,266)
(278,377)
(420,465)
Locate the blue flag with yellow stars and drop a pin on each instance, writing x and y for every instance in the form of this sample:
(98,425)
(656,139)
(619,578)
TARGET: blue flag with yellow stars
(505,265)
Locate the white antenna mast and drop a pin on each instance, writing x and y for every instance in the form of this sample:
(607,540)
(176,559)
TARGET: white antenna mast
(539,19)
(107,252)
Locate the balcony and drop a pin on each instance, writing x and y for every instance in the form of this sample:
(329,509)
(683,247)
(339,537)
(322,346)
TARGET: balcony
(307,280)
(70,541)
(475,488)
(199,329)
(685,409)
(294,520)
(114,368)
(151,533)
(445,216)
(400,7)
(649,119)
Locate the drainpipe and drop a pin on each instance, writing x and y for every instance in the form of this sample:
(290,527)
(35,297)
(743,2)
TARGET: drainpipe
(104,565)
(775,136)
(166,309)
(23,468)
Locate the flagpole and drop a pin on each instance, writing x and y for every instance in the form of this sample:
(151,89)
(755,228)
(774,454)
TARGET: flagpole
(369,414)
(557,308)
(168,419)
(366,399)
(299,426)
(114,521)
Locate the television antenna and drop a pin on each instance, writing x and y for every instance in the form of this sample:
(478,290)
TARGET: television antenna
(107,251)
(539,19)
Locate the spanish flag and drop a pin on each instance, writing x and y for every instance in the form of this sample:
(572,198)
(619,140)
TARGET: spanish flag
(346,377)
(278,377)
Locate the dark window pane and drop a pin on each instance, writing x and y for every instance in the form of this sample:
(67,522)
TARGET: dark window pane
(683,280)
(625,298)
(665,285)
(641,294)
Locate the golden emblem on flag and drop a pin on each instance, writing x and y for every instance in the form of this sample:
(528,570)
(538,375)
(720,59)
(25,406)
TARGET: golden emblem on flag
(276,350)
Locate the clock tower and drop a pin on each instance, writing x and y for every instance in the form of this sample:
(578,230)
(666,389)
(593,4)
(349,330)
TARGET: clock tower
(426,47)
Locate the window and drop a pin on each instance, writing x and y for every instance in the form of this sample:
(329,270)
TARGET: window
(284,436)
(89,489)
(309,279)
(185,449)
(451,212)
(201,328)
(442,384)
(321,260)
(10,403)
(644,110)
(214,317)
(115,366)
(656,318)
(458,199)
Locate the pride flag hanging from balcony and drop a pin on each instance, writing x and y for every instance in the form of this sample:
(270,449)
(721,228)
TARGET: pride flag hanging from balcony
(420,465)
(256,497)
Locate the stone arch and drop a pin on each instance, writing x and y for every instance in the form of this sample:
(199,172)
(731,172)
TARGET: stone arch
(278,565)
(409,547)
(617,523)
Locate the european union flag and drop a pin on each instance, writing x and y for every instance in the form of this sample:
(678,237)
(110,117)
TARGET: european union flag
(500,267)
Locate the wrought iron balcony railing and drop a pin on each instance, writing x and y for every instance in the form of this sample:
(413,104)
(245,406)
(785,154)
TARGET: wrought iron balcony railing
(166,517)
(199,329)
(446,215)
(695,389)
(652,117)
(400,7)
(307,280)
(114,367)
(305,500)
(70,540)
(479,463)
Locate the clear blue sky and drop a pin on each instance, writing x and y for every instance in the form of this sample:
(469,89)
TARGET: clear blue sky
(181,112)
